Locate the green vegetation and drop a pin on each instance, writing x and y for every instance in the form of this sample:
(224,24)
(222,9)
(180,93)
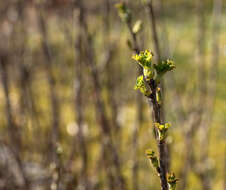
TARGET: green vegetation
(70,118)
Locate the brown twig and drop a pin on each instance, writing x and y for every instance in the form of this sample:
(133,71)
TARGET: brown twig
(100,108)
(161,143)
(139,110)
(55,107)
(12,128)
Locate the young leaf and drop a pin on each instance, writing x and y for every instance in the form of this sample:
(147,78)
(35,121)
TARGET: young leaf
(164,66)
(140,84)
(172,181)
(137,27)
(144,58)
(162,129)
(154,160)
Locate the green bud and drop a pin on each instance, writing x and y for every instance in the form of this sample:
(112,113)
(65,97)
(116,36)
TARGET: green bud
(162,129)
(172,181)
(129,43)
(140,84)
(137,27)
(164,67)
(144,58)
(154,160)
(158,96)
(148,73)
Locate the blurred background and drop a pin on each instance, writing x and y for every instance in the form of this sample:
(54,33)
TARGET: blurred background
(70,118)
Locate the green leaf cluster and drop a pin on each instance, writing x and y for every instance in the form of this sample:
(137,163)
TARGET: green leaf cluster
(144,58)
(140,84)
(164,67)
(162,129)
(150,70)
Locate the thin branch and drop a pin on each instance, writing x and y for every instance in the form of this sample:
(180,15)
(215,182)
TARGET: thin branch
(159,58)
(12,128)
(212,81)
(139,111)
(161,143)
(154,30)
(79,110)
(53,96)
(100,109)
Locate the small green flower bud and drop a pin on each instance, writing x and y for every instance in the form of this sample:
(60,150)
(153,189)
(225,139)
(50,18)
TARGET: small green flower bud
(144,58)
(172,181)
(158,96)
(154,160)
(164,67)
(137,27)
(148,73)
(140,84)
(162,129)
(129,43)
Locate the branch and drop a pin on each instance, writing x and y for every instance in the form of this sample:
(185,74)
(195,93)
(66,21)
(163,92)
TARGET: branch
(55,107)
(12,128)
(152,76)
(89,58)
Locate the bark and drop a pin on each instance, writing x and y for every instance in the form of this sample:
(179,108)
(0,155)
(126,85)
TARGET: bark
(161,143)
(157,109)
(159,57)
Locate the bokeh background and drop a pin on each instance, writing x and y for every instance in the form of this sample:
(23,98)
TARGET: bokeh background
(70,118)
